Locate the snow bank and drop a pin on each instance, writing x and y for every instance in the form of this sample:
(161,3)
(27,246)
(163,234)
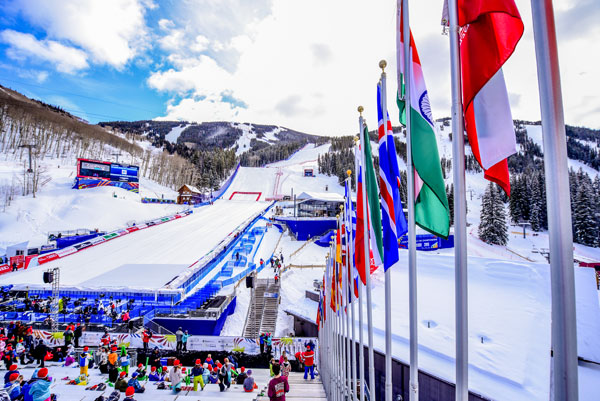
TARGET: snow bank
(58,207)
(181,241)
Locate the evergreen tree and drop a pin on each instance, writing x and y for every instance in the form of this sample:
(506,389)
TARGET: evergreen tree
(585,226)
(450,196)
(535,214)
(543,213)
(492,227)
(514,205)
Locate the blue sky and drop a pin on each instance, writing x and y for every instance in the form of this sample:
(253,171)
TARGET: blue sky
(302,64)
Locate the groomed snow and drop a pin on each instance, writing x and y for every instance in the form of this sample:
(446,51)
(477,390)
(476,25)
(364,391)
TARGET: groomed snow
(59,207)
(173,135)
(282,177)
(509,308)
(181,241)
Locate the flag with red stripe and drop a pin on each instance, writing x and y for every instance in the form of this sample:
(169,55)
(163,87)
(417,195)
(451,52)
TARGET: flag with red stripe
(490,31)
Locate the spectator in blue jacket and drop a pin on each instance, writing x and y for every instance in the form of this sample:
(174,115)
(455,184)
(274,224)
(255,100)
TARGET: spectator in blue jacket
(13,386)
(134,382)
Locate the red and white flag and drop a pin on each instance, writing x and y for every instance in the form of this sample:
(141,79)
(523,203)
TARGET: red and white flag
(490,32)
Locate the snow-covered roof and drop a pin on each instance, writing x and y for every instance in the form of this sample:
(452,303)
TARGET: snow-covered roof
(322,196)
(191,188)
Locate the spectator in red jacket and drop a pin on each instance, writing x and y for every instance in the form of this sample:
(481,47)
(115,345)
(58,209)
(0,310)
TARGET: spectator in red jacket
(308,357)
(146,339)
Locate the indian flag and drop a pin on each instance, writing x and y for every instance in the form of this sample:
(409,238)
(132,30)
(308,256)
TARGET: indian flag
(431,203)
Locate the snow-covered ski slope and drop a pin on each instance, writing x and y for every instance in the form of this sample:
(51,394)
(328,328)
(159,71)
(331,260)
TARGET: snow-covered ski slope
(282,177)
(58,207)
(178,243)
(509,320)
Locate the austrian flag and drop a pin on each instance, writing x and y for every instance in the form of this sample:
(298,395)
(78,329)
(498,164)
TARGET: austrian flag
(490,32)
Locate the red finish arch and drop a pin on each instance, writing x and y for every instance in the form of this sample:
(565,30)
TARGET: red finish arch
(258,194)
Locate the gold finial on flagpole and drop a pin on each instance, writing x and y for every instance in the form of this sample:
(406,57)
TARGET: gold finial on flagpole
(382,65)
(349,172)
(360,110)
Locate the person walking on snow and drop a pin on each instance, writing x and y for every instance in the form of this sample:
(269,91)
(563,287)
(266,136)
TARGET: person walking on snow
(179,337)
(308,357)
(184,339)
(146,339)
(278,385)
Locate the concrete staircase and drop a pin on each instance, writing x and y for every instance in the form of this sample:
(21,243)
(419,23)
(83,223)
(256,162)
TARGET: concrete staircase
(263,309)
(300,389)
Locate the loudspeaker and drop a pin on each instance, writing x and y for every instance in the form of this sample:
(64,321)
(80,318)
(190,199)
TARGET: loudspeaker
(249,281)
(48,277)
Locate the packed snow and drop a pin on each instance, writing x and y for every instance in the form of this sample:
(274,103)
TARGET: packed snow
(58,207)
(509,320)
(282,177)
(173,135)
(182,241)
(243,142)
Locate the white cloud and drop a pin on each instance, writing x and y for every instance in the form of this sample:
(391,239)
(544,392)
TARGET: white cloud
(165,24)
(309,71)
(26,46)
(201,75)
(110,31)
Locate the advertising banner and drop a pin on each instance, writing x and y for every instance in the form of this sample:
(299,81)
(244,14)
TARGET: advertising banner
(248,346)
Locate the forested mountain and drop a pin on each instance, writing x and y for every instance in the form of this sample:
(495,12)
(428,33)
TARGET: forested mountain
(527,202)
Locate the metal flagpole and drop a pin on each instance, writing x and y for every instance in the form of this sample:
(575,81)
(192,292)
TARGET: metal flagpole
(327,367)
(350,259)
(402,5)
(367,271)
(342,313)
(338,326)
(564,323)
(361,355)
(460,210)
(336,351)
(347,303)
(340,308)
(335,336)
(388,272)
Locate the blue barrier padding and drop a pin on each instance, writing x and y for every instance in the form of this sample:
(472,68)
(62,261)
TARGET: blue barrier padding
(429,242)
(325,239)
(307,228)
(68,241)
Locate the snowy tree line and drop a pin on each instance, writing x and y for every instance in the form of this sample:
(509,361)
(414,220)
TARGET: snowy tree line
(527,203)
(61,138)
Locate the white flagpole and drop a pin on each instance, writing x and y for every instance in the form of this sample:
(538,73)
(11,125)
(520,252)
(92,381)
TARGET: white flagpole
(347,310)
(460,209)
(388,273)
(367,269)
(328,328)
(336,329)
(349,241)
(402,9)
(361,355)
(343,314)
(564,323)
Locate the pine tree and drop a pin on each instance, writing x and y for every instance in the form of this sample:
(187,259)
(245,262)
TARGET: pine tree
(535,214)
(585,226)
(450,196)
(514,205)
(492,227)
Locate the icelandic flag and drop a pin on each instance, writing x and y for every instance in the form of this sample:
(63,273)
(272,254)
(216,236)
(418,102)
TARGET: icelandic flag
(392,217)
